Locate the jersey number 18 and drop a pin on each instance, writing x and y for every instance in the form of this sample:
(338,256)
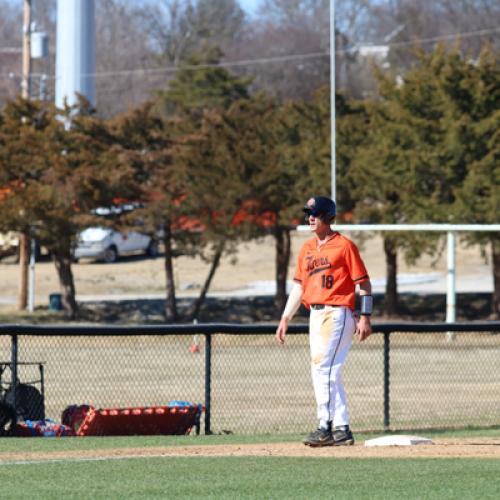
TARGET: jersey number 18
(326,281)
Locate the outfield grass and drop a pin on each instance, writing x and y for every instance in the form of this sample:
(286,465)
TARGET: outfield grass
(244,477)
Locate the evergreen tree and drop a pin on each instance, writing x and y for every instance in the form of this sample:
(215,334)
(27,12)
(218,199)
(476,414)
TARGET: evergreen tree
(397,171)
(430,133)
(472,93)
(290,152)
(146,149)
(192,104)
(315,128)
(260,138)
(200,85)
(56,178)
(218,178)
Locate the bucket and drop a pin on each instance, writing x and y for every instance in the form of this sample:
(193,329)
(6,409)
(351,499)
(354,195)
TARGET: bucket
(55,302)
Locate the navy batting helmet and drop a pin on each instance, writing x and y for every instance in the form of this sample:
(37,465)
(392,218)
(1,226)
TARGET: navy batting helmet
(322,207)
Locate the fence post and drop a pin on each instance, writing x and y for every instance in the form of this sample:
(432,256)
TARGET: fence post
(387,348)
(13,373)
(208,380)
(451,278)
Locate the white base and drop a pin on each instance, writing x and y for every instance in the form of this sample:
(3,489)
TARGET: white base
(397,440)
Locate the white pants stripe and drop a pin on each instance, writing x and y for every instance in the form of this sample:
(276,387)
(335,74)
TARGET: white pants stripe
(331,331)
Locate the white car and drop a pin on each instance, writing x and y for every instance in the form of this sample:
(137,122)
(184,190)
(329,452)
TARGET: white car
(106,244)
(9,244)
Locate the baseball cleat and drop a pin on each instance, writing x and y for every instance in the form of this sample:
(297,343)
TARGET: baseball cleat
(342,436)
(320,437)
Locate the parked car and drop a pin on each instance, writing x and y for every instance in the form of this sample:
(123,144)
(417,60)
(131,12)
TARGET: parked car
(106,244)
(9,244)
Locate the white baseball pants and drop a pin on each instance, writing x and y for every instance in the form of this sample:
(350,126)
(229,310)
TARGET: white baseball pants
(331,331)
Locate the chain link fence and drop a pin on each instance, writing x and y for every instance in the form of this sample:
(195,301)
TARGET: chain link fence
(403,377)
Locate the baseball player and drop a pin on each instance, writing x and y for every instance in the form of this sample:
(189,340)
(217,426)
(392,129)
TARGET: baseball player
(328,269)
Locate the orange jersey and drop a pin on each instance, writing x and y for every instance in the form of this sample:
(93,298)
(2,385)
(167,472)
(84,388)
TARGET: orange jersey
(329,274)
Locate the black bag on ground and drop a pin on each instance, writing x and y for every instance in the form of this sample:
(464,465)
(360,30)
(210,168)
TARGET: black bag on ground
(30,404)
(7,419)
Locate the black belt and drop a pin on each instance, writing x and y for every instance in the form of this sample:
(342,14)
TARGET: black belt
(321,306)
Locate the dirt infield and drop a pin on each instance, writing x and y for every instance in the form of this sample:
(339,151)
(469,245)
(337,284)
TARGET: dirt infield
(441,448)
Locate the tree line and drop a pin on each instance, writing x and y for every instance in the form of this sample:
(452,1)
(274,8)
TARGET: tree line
(284,46)
(213,164)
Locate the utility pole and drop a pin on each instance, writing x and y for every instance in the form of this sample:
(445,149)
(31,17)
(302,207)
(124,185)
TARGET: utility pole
(22,300)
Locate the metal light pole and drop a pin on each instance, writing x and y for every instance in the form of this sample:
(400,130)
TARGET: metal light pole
(332,100)
(75,54)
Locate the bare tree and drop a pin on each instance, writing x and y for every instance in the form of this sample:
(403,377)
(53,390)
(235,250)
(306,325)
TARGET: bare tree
(178,28)
(140,42)
(123,57)
(470,23)
(294,35)
(389,30)
(10,49)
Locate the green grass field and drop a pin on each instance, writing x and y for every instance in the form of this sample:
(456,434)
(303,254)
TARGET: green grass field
(238,477)
(241,477)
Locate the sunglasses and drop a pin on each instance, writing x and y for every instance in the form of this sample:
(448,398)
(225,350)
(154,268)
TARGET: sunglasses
(310,211)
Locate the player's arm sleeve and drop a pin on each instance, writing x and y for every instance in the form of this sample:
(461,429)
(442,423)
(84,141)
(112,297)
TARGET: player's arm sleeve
(293,301)
(356,266)
(295,297)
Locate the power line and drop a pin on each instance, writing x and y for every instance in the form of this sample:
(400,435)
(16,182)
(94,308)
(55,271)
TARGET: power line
(469,34)
(11,50)
(285,58)
(195,67)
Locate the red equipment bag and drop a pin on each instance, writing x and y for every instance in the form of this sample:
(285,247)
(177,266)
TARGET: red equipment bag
(176,419)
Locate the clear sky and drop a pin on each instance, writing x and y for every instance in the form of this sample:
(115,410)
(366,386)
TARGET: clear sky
(250,5)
